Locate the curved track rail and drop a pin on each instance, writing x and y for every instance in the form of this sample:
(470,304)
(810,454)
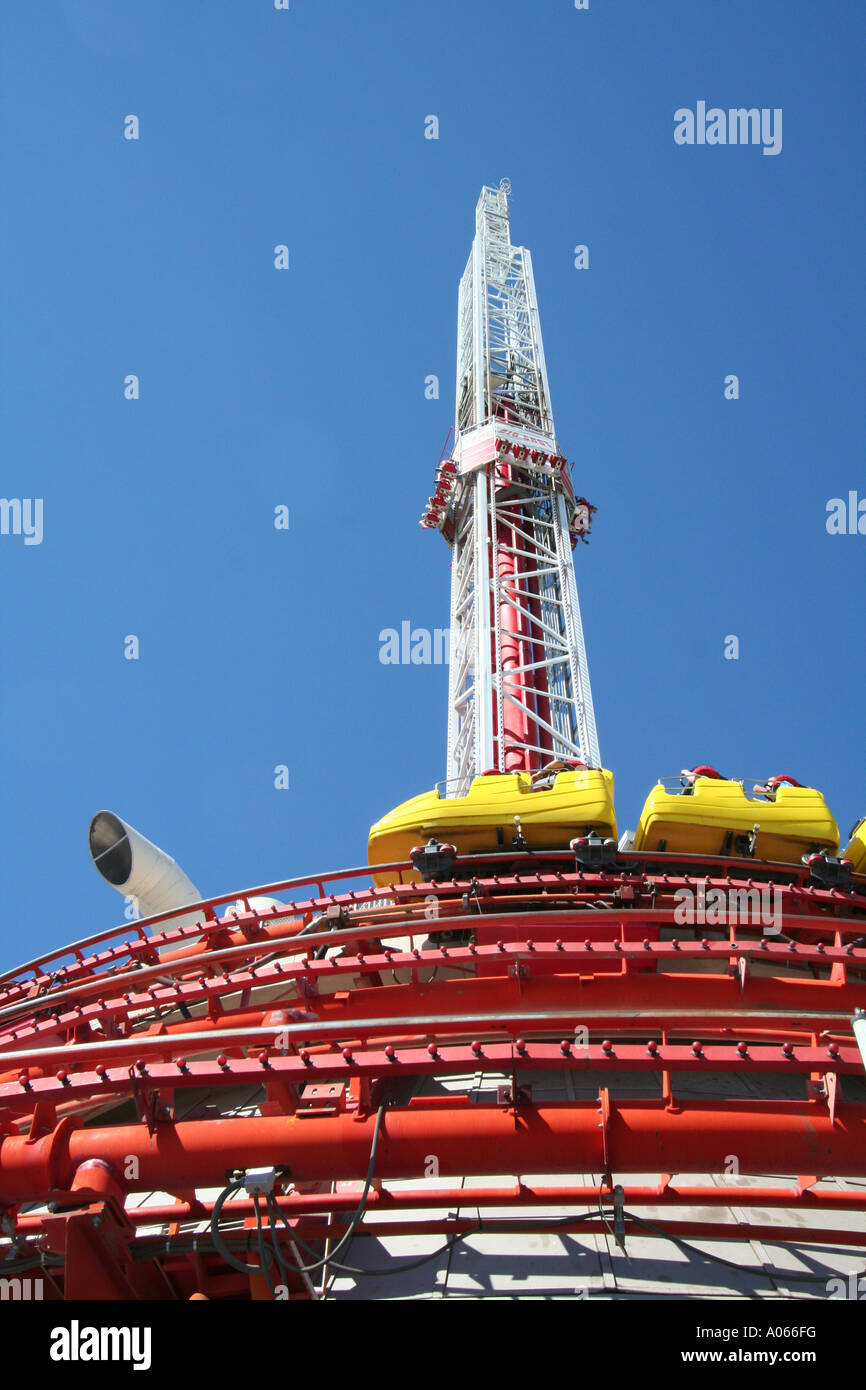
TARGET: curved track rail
(238,1073)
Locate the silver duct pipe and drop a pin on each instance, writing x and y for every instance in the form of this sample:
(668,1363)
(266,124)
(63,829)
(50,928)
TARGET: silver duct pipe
(139,869)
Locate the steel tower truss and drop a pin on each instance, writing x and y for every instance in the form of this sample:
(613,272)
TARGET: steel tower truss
(519,691)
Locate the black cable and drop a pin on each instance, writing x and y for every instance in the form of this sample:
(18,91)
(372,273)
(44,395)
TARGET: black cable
(604,1183)
(218,1241)
(261,1244)
(408,1264)
(229,1191)
(276,1214)
(356,1218)
(285,1266)
(784,1276)
(565,1220)
(222,1249)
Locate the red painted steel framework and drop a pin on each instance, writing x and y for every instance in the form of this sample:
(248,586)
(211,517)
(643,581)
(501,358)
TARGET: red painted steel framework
(336,1016)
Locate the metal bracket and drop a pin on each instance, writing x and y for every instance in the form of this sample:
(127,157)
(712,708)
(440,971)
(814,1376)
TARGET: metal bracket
(619,1217)
(322,1098)
(519,971)
(307,989)
(509,1094)
(147,1102)
(604,1108)
(832,1091)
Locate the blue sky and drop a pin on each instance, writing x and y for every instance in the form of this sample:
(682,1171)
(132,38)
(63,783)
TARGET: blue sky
(306,388)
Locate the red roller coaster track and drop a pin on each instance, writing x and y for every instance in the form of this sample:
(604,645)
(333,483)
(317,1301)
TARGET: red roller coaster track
(122,1058)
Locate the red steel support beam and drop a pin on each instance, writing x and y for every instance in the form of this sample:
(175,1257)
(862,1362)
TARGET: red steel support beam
(467,1139)
(517,1196)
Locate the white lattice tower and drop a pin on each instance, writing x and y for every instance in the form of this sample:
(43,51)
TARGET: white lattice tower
(519,691)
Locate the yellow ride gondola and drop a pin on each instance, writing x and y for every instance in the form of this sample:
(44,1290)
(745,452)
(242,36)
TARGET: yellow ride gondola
(779,820)
(546,811)
(855,850)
